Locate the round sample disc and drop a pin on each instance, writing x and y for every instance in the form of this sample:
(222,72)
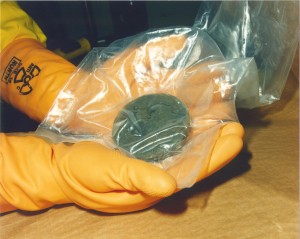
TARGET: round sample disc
(152,127)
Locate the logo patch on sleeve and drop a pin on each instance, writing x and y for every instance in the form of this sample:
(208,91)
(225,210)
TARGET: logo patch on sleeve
(16,73)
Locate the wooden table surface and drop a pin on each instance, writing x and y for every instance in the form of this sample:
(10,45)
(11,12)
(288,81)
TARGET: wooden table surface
(255,196)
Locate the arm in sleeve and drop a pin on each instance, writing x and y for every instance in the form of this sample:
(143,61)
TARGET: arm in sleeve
(31,75)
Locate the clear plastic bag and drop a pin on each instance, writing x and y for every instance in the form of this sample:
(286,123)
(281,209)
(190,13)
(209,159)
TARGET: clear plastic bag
(265,30)
(184,63)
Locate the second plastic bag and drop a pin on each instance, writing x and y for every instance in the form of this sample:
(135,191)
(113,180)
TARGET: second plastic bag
(265,30)
(185,65)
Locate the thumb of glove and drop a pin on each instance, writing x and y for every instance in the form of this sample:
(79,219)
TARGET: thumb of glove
(104,170)
(96,177)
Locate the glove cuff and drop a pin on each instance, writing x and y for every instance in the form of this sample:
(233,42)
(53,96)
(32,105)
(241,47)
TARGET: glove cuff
(32,76)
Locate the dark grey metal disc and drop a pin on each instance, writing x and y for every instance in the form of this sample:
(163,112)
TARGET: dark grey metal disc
(152,127)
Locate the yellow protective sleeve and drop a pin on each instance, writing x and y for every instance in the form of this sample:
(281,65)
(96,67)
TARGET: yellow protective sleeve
(16,24)
(37,175)
(31,75)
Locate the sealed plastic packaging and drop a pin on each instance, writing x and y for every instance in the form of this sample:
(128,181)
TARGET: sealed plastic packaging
(160,96)
(265,30)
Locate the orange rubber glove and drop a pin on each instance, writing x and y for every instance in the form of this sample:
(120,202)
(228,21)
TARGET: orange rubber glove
(37,174)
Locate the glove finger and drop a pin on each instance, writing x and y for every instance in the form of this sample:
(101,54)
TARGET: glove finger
(138,176)
(119,202)
(226,148)
(234,128)
(90,166)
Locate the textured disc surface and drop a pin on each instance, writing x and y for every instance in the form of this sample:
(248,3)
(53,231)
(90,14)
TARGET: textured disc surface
(152,127)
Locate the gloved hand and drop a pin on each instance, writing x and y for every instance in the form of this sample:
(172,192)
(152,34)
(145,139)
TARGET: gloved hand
(38,175)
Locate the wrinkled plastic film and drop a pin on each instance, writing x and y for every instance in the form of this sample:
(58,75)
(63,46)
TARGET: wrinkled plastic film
(184,63)
(265,30)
